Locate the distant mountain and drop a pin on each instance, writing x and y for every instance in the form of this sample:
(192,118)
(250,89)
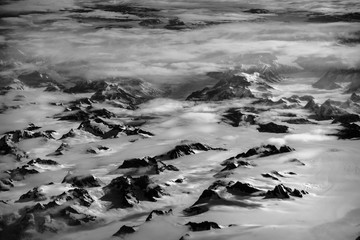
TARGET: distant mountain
(229,87)
(335,79)
(125,90)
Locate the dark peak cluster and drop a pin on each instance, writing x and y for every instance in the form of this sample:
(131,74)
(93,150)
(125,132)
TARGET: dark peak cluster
(235,117)
(186,149)
(150,165)
(126,191)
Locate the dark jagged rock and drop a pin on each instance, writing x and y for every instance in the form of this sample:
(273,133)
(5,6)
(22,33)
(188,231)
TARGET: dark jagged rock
(32,127)
(187,149)
(203,226)
(125,192)
(269,102)
(138,162)
(268,175)
(146,164)
(334,78)
(102,113)
(60,150)
(36,194)
(328,111)
(20,173)
(227,88)
(299,121)
(273,128)
(69,134)
(158,213)
(283,192)
(124,230)
(347,118)
(42,162)
(242,189)
(78,195)
(179,180)
(81,181)
(6,184)
(311,105)
(355,98)
(96,150)
(234,117)
(7,146)
(230,165)
(77,115)
(207,196)
(264,151)
(94,127)
(103,129)
(348,131)
(217,184)
(18,135)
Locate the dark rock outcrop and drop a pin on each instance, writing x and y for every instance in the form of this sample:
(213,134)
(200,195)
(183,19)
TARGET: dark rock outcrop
(20,173)
(283,192)
(6,184)
(69,134)
(36,194)
(40,161)
(186,149)
(81,181)
(263,151)
(234,117)
(103,129)
(348,131)
(76,195)
(347,118)
(299,121)
(124,230)
(227,88)
(355,98)
(203,226)
(158,213)
(7,146)
(126,191)
(242,189)
(60,150)
(273,128)
(98,149)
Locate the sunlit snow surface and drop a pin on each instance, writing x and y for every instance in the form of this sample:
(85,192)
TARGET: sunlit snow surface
(84,39)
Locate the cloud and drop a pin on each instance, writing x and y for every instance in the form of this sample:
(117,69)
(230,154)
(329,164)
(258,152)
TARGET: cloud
(302,137)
